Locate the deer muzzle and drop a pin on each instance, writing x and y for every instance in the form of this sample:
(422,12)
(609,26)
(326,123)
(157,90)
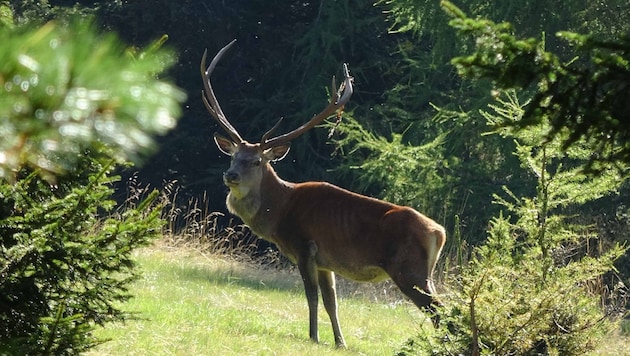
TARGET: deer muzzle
(230,178)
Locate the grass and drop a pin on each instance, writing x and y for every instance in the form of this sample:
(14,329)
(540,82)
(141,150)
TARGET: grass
(190,303)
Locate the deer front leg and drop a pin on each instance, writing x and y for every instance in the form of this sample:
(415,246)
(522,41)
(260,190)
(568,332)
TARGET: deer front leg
(308,271)
(329,296)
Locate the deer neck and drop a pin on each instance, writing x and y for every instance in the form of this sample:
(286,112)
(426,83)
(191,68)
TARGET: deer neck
(262,205)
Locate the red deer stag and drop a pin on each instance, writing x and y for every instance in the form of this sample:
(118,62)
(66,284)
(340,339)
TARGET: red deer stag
(322,228)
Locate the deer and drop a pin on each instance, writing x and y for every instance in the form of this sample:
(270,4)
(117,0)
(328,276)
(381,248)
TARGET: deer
(321,228)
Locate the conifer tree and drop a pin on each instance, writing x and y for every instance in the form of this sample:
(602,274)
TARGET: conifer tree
(74,106)
(529,288)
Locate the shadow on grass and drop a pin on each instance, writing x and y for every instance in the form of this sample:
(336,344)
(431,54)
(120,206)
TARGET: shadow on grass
(252,277)
(222,271)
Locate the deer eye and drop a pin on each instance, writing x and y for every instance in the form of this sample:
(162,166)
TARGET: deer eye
(257,162)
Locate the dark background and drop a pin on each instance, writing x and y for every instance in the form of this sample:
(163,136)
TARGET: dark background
(281,66)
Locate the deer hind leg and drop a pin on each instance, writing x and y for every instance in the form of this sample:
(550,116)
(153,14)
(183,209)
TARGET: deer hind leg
(308,271)
(329,296)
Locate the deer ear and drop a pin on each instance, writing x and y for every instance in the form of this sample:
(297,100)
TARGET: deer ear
(277,153)
(225,145)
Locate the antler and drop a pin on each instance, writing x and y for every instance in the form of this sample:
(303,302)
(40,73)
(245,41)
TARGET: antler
(208,97)
(340,97)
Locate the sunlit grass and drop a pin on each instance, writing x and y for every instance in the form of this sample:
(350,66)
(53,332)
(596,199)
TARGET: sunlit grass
(192,304)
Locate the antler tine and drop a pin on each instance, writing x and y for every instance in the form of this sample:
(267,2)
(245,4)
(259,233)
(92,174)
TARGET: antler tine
(208,97)
(340,97)
(271,130)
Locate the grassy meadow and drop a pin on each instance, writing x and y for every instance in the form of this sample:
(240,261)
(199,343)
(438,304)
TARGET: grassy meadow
(194,300)
(191,303)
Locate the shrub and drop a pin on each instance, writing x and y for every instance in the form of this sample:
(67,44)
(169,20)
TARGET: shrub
(63,267)
(528,289)
(74,105)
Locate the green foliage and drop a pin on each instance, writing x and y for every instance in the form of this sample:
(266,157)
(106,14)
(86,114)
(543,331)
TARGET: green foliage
(74,106)
(6,15)
(391,169)
(66,88)
(66,259)
(38,12)
(531,287)
(509,300)
(585,96)
(603,17)
(428,100)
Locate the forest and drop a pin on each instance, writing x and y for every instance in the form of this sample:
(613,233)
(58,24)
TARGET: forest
(508,123)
